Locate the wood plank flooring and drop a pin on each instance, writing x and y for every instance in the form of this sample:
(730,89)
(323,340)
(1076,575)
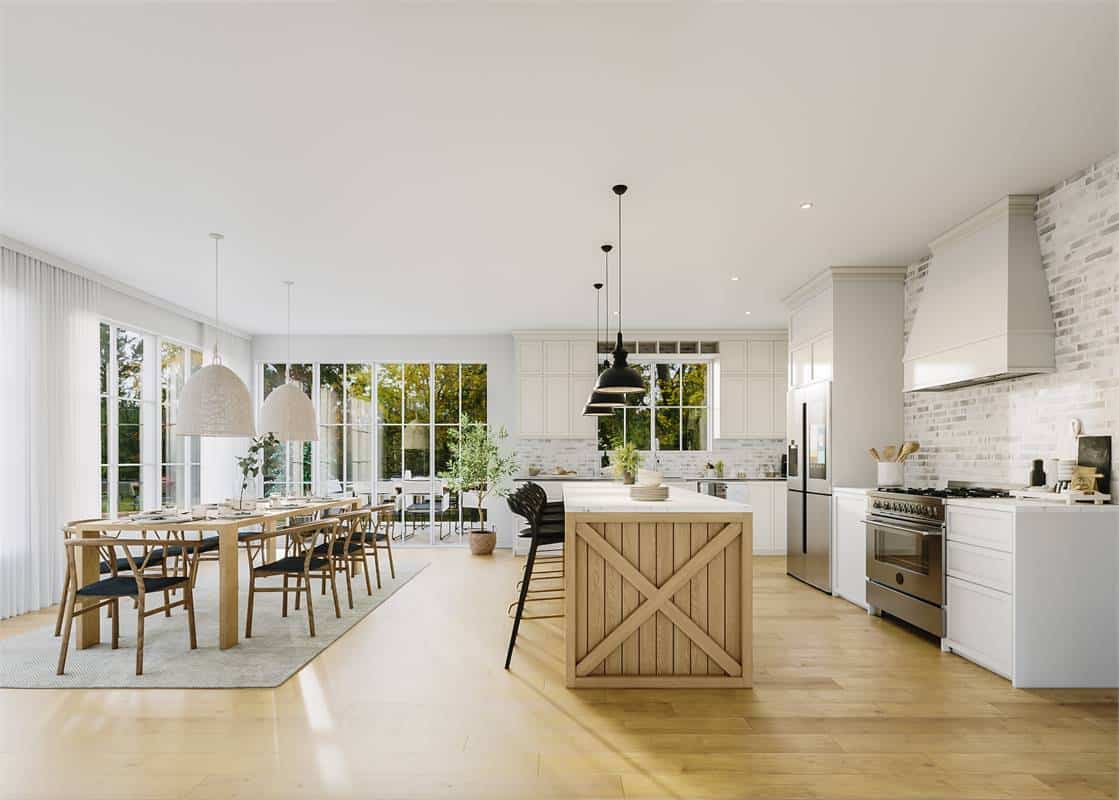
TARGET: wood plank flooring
(413,703)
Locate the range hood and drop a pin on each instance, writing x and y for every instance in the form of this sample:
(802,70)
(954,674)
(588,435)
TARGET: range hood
(984,314)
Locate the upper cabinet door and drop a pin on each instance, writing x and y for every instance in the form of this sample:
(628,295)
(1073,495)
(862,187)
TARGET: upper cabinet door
(557,405)
(760,356)
(582,358)
(822,359)
(780,406)
(732,406)
(530,356)
(759,405)
(732,356)
(557,358)
(531,388)
(781,360)
(583,427)
(802,365)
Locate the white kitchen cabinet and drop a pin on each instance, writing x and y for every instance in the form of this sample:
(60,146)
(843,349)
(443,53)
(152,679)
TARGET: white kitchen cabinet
(760,494)
(531,393)
(557,357)
(530,357)
(780,516)
(583,359)
(732,406)
(802,365)
(781,360)
(760,416)
(1031,592)
(554,378)
(980,625)
(849,510)
(780,406)
(759,356)
(581,386)
(732,355)
(557,405)
(822,358)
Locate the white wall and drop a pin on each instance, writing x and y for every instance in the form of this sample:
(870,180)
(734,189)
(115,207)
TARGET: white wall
(495,351)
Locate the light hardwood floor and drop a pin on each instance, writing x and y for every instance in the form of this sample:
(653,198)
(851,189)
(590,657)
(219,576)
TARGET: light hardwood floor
(413,702)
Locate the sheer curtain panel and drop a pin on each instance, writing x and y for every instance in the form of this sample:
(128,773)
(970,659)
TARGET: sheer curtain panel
(48,423)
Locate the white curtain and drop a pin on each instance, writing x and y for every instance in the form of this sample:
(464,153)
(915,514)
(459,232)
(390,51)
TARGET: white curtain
(49,356)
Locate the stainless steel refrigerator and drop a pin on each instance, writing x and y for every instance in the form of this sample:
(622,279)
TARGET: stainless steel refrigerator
(808,538)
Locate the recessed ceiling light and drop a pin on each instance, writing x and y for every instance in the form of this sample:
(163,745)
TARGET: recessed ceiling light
(805,205)
(748,313)
(615,313)
(734,277)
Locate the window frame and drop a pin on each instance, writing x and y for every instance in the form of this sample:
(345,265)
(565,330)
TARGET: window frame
(652,361)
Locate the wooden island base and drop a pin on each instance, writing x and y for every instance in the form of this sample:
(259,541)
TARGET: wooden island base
(658,594)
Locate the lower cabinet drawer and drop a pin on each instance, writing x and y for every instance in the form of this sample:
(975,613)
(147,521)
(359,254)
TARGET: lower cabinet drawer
(990,568)
(980,626)
(981,527)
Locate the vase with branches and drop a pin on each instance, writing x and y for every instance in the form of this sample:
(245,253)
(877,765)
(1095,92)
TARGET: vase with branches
(251,463)
(478,465)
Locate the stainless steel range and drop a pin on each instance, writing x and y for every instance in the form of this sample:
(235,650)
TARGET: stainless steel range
(905,532)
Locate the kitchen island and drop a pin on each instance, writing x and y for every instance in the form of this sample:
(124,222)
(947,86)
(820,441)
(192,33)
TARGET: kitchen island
(658,594)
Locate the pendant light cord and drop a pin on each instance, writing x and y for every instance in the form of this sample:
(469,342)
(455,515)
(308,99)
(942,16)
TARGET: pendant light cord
(619,263)
(217,237)
(288,368)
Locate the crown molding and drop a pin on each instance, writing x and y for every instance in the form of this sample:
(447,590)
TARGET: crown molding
(111,283)
(829,275)
(1004,208)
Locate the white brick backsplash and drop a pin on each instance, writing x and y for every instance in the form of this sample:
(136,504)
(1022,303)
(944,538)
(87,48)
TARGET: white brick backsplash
(751,456)
(991,433)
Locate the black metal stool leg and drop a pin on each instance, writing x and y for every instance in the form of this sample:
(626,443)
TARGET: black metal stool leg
(521,601)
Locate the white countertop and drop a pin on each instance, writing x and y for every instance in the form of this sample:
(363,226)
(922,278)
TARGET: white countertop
(1027,504)
(586,496)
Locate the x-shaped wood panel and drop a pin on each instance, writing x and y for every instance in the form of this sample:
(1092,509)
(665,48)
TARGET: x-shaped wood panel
(659,599)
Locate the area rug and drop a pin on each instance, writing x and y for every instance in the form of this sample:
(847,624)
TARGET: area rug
(279,647)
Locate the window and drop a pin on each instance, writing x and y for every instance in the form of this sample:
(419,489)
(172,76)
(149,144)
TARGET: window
(670,415)
(345,437)
(144,464)
(287,468)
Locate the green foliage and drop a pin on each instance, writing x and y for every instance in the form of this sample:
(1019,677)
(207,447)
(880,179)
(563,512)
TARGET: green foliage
(477,463)
(250,463)
(626,458)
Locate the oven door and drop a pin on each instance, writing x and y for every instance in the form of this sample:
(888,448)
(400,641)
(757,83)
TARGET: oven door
(906,558)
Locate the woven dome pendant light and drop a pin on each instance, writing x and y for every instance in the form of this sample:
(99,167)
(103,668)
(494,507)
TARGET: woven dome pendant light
(601,400)
(287,412)
(619,377)
(601,408)
(215,402)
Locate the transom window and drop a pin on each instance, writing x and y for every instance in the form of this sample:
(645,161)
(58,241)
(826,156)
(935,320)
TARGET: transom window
(672,414)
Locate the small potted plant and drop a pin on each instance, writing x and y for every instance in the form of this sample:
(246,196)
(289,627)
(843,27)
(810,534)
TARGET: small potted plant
(626,460)
(252,462)
(719,467)
(478,465)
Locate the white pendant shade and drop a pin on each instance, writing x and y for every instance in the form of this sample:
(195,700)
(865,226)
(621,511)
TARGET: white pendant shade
(289,415)
(215,402)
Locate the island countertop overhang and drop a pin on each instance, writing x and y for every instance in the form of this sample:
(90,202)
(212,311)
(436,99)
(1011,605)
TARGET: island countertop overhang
(613,498)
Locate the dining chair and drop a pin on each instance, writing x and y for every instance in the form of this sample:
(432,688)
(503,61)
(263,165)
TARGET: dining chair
(299,561)
(378,536)
(108,591)
(347,551)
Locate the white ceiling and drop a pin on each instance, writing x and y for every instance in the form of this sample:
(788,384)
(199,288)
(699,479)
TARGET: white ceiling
(432,168)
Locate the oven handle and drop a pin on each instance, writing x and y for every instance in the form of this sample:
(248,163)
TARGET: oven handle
(905,528)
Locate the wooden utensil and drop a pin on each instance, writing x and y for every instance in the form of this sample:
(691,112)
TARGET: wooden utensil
(874,454)
(890,453)
(908,449)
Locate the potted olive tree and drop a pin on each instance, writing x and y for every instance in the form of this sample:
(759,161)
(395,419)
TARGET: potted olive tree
(478,466)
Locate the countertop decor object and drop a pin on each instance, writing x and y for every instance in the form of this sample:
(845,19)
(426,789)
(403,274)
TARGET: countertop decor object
(648,492)
(626,460)
(620,377)
(215,401)
(1095,452)
(633,633)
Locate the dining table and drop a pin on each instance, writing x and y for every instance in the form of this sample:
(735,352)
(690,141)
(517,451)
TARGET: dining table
(227,529)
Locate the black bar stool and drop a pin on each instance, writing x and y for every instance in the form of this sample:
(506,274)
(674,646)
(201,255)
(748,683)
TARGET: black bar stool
(546,527)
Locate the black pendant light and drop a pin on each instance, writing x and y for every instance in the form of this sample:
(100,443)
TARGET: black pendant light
(599,404)
(601,400)
(619,377)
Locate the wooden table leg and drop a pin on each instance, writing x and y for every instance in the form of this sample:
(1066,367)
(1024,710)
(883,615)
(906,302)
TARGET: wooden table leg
(89,571)
(228,612)
(268,526)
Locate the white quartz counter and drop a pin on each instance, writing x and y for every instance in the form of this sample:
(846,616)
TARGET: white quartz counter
(1018,504)
(586,496)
